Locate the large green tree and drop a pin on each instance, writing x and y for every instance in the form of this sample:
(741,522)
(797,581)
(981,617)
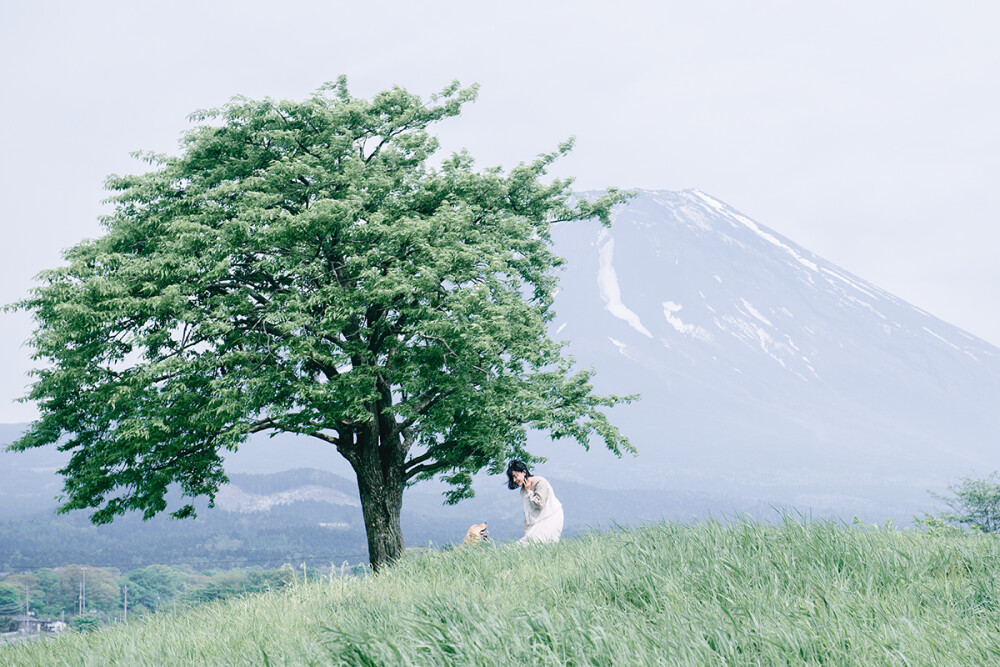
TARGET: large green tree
(303,267)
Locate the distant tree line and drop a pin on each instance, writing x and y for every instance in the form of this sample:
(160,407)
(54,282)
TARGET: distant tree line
(95,595)
(219,540)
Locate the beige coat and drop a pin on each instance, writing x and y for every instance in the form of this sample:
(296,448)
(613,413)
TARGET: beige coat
(543,513)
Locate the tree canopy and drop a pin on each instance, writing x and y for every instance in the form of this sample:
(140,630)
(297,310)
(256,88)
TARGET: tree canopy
(304,267)
(974,502)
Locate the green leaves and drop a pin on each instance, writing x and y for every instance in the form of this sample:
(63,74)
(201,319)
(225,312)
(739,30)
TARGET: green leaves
(300,267)
(975,502)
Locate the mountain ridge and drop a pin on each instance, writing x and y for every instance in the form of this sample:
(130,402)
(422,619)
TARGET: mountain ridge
(706,309)
(765,371)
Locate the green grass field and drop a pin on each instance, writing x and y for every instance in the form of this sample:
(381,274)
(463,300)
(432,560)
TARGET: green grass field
(741,593)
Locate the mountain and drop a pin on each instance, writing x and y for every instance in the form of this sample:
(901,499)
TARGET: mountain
(764,369)
(769,377)
(28,480)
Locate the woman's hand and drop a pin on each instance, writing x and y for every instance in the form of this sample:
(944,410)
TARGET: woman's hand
(526,483)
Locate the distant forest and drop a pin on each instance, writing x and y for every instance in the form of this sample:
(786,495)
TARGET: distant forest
(93,596)
(217,541)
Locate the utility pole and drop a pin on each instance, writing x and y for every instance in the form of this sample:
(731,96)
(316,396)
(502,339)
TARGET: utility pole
(125,591)
(84,602)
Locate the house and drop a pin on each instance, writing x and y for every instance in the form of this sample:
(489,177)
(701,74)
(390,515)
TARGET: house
(30,624)
(55,626)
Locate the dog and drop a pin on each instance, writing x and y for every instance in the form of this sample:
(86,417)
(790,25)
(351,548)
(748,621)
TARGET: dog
(477,533)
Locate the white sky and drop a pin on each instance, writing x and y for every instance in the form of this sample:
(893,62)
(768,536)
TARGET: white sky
(865,131)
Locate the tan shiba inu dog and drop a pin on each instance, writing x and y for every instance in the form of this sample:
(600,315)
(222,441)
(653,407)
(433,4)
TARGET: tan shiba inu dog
(477,533)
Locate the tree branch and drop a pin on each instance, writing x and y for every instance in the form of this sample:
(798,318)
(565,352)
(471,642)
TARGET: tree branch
(429,468)
(417,460)
(424,403)
(262,426)
(451,351)
(324,437)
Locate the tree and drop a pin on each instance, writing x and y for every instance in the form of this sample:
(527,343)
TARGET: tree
(974,502)
(45,595)
(89,622)
(11,602)
(302,268)
(152,585)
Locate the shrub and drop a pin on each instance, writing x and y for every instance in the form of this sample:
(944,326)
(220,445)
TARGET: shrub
(975,503)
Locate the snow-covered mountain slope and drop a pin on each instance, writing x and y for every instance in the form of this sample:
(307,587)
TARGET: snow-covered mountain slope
(763,368)
(232,498)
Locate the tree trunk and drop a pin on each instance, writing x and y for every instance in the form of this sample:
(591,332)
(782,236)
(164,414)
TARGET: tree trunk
(381,484)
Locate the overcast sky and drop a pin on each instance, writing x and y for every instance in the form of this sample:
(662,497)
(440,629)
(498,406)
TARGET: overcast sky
(866,132)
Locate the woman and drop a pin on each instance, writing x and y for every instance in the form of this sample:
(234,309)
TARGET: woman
(543,513)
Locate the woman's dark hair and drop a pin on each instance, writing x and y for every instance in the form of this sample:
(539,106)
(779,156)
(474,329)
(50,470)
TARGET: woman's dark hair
(516,466)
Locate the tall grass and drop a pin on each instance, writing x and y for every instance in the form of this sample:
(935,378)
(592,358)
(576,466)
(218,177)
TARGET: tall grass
(707,594)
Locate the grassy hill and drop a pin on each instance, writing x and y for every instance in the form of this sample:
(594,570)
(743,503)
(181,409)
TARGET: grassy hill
(701,594)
